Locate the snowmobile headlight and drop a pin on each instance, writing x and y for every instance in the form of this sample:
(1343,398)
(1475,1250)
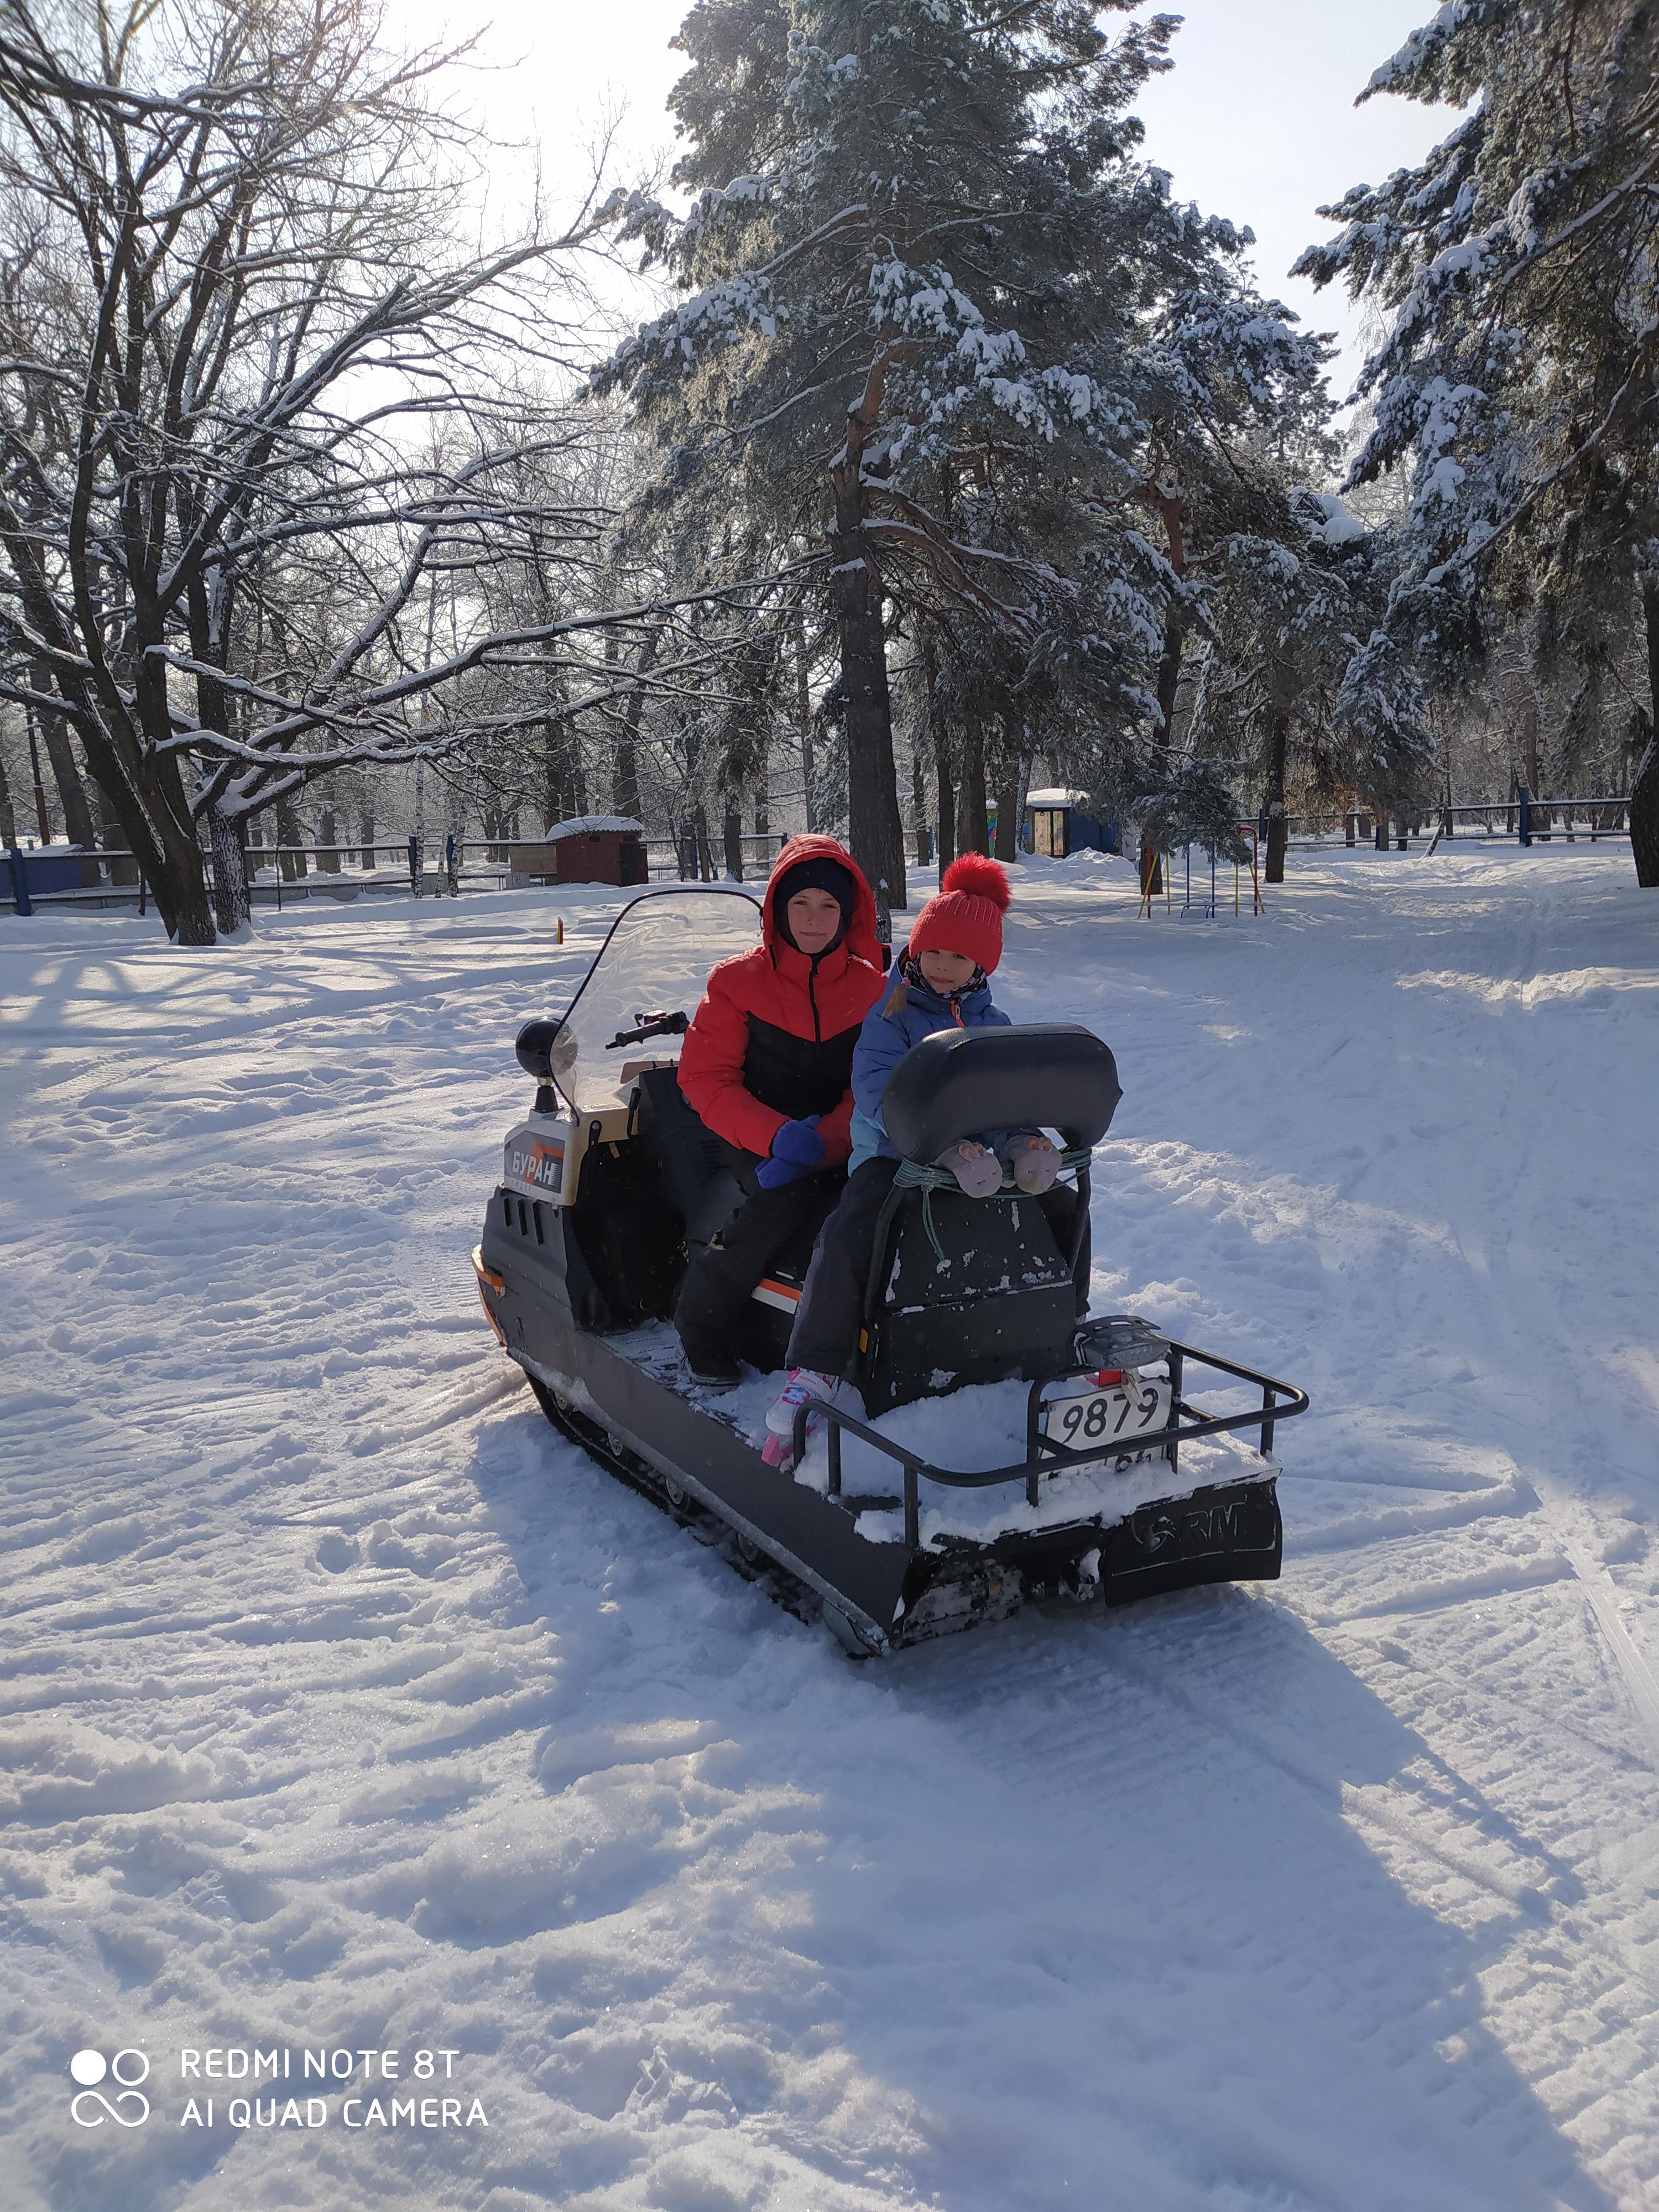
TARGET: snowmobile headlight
(534,1047)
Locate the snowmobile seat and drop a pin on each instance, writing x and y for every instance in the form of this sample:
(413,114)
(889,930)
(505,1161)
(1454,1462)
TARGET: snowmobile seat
(973,1290)
(696,1185)
(1051,1075)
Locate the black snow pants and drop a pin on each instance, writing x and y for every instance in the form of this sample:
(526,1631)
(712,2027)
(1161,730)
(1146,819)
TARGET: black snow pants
(720,1279)
(830,1314)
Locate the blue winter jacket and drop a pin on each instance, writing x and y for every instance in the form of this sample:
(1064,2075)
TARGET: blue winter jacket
(883,1042)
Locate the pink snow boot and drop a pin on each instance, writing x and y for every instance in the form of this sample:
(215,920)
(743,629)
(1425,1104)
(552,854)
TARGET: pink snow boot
(804,1383)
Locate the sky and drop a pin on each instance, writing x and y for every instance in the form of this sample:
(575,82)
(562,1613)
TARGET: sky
(1255,122)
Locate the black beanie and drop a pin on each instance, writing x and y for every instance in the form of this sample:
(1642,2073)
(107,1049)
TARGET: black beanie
(822,874)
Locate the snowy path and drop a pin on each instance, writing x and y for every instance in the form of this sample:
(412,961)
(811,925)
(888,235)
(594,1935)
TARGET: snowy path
(345,1706)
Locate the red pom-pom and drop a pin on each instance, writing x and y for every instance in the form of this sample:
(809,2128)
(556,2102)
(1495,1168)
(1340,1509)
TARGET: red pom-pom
(977,877)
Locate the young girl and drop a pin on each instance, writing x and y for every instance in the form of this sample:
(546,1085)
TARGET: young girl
(942,973)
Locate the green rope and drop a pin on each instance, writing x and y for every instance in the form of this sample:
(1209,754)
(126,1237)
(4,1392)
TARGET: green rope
(912,1175)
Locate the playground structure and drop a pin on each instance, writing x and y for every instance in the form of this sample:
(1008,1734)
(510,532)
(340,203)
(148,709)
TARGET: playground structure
(1208,907)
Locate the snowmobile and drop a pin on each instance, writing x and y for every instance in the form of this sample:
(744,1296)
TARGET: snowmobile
(1101,1481)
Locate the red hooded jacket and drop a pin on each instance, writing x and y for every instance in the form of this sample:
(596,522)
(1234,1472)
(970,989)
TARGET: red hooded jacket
(773,1039)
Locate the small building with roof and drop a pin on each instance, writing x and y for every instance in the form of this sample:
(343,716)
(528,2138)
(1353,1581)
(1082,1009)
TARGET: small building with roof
(588,848)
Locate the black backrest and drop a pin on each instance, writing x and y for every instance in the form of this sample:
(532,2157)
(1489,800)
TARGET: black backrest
(1050,1075)
(687,1154)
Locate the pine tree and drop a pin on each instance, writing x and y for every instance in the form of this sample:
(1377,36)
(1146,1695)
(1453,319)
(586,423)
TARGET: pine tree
(919,267)
(1519,383)
(1301,673)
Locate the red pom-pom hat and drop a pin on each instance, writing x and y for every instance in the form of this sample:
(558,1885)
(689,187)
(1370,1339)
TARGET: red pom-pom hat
(965,914)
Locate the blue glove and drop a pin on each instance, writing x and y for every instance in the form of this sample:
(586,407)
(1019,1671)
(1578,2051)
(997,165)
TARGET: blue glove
(796,1150)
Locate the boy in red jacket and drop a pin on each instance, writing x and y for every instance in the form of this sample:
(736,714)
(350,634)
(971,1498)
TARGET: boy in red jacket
(767,1066)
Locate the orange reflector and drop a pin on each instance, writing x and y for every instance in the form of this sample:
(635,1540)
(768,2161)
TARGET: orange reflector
(489,1280)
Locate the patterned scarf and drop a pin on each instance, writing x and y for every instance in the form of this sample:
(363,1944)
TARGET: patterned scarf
(910,970)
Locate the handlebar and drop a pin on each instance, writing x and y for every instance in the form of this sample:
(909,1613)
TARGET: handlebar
(651,1025)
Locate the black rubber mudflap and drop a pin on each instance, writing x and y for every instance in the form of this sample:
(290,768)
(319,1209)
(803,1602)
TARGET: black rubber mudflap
(1230,1534)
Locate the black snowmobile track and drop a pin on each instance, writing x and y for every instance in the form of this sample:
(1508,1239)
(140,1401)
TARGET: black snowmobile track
(748,1561)
(980,1598)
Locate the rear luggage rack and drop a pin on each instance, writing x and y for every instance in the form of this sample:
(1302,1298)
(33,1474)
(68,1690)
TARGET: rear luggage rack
(1281,1402)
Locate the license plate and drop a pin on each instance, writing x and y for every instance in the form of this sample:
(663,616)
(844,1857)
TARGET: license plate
(1113,1415)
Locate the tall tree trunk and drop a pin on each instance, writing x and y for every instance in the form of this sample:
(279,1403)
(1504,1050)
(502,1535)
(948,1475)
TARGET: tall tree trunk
(154,811)
(66,776)
(174,866)
(1169,667)
(731,836)
(946,810)
(625,778)
(365,832)
(558,792)
(875,833)
(112,837)
(291,866)
(1644,790)
(975,814)
(1007,838)
(8,817)
(71,792)
(939,742)
(1278,732)
(919,805)
(625,769)
(625,772)
(1169,678)
(145,785)
(1169,683)
(231,907)
(42,813)
(804,720)
(1530,733)
(703,843)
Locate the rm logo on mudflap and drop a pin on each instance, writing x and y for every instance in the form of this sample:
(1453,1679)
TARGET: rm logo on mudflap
(1214,1528)
(1194,1531)
(540,1165)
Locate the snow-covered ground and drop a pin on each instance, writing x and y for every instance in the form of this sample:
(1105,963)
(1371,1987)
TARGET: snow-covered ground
(349,1710)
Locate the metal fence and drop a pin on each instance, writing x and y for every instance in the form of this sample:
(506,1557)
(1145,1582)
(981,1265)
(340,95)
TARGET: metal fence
(35,875)
(1521,820)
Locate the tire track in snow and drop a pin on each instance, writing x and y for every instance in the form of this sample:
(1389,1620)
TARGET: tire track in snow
(1542,1328)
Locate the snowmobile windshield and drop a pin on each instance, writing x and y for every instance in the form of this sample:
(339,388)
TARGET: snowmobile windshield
(645,985)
